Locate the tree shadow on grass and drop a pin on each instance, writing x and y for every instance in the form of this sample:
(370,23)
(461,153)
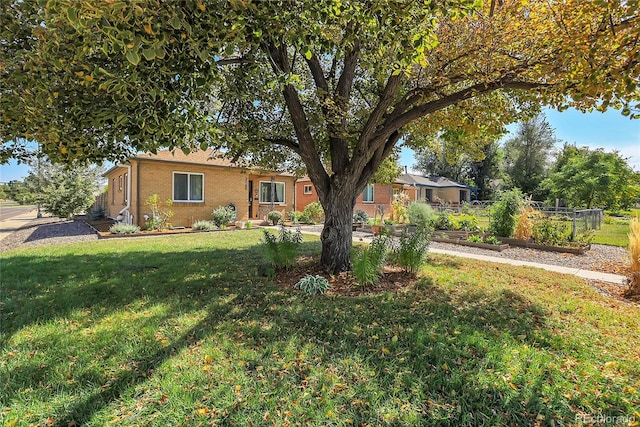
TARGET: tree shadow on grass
(427,345)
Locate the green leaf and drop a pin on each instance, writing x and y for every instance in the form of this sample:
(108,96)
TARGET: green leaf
(133,57)
(149,53)
(308,54)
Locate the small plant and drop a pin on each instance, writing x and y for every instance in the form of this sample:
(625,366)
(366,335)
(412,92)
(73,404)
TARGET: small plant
(281,250)
(634,254)
(360,216)
(475,238)
(97,213)
(249,224)
(203,226)
(160,217)
(503,214)
(466,222)
(222,215)
(549,232)
(122,228)
(294,216)
(492,240)
(313,284)
(420,214)
(399,208)
(442,221)
(275,217)
(524,226)
(314,211)
(369,262)
(412,248)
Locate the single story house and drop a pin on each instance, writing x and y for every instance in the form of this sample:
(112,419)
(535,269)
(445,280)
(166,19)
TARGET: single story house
(196,183)
(434,190)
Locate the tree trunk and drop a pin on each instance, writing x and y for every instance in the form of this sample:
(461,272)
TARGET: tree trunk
(337,233)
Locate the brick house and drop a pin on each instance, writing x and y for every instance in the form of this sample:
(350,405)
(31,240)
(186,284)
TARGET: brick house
(433,190)
(197,183)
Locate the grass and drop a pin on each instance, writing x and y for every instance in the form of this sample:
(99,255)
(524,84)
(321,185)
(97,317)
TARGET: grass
(180,330)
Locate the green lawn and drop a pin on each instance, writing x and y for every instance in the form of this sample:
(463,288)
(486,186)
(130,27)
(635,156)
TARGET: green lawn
(180,330)
(616,234)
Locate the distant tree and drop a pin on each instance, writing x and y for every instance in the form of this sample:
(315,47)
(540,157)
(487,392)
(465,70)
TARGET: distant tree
(486,171)
(65,190)
(527,155)
(593,178)
(21,192)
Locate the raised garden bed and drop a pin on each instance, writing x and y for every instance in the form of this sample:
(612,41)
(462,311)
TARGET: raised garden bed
(563,249)
(462,242)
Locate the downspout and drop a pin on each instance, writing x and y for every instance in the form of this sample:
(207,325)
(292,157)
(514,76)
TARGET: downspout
(138,188)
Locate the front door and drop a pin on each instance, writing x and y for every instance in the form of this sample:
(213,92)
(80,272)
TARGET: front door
(250,199)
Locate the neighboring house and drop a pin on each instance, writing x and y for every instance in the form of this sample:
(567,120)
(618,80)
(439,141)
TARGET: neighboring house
(434,190)
(196,183)
(372,199)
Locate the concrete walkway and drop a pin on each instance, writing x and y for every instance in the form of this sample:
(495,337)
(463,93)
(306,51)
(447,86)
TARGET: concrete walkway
(584,274)
(8,226)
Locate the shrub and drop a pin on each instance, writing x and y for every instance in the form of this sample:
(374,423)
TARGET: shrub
(524,226)
(122,228)
(360,216)
(275,217)
(399,207)
(222,215)
(313,284)
(369,262)
(465,222)
(249,224)
(549,232)
(475,238)
(492,240)
(412,249)
(504,212)
(420,214)
(281,250)
(294,216)
(203,225)
(159,217)
(97,213)
(314,211)
(442,221)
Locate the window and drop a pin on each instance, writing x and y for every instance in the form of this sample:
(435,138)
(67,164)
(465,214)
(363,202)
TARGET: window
(120,182)
(266,192)
(307,189)
(367,195)
(188,187)
(428,194)
(113,191)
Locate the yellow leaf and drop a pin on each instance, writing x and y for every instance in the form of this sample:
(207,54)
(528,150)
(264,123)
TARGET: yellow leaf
(12,423)
(208,359)
(201,6)
(147,28)
(202,411)
(88,78)
(238,387)
(207,368)
(445,366)
(513,386)
(79,73)
(611,364)
(385,350)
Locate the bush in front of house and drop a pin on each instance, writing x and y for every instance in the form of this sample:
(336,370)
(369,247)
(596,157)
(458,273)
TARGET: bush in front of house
(122,228)
(203,226)
(275,217)
(314,211)
(360,216)
(420,214)
(222,215)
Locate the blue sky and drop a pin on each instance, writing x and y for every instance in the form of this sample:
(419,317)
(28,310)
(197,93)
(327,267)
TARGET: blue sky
(609,130)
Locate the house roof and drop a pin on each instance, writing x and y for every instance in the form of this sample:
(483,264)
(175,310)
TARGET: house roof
(199,157)
(429,181)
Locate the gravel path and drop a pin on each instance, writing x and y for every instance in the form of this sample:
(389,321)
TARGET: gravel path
(610,259)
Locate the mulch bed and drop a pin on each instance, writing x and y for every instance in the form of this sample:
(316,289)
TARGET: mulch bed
(344,284)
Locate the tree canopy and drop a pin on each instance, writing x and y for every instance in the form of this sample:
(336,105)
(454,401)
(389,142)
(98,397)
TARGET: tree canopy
(330,84)
(593,178)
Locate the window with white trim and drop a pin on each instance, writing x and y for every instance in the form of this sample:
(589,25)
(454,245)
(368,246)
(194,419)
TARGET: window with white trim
(188,187)
(306,189)
(272,192)
(367,194)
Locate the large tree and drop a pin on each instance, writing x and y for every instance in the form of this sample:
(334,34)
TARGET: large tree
(593,178)
(335,85)
(528,154)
